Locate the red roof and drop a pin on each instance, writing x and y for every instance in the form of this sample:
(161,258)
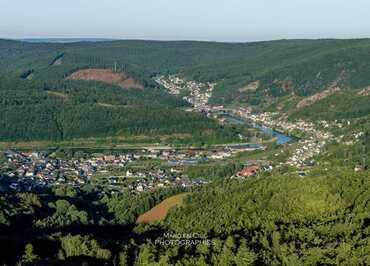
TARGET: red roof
(248,171)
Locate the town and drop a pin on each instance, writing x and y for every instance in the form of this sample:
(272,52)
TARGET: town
(196,93)
(309,146)
(32,171)
(36,170)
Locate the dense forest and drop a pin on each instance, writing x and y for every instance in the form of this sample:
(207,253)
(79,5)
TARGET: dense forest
(46,106)
(39,103)
(322,219)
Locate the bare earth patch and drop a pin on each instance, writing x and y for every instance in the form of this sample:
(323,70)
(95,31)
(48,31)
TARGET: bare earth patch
(317,97)
(252,87)
(110,105)
(57,94)
(108,76)
(364,92)
(333,88)
(58,62)
(159,212)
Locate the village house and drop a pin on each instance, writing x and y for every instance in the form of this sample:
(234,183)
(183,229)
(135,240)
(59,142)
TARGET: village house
(248,171)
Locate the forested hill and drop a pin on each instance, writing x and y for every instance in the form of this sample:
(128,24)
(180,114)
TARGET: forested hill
(38,102)
(284,75)
(298,61)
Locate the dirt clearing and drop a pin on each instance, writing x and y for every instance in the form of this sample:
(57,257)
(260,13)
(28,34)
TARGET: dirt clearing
(108,76)
(159,212)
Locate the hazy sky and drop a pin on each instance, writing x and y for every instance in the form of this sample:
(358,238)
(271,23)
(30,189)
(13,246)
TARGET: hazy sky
(220,20)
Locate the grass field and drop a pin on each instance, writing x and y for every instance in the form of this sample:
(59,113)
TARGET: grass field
(159,212)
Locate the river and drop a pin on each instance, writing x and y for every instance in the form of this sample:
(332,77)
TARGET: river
(280,137)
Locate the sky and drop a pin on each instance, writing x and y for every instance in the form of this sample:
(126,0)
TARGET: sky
(212,20)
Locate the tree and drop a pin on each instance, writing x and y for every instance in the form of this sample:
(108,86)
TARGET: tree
(123,258)
(29,199)
(244,256)
(29,256)
(146,256)
(83,246)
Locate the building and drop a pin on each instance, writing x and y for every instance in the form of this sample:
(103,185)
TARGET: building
(248,171)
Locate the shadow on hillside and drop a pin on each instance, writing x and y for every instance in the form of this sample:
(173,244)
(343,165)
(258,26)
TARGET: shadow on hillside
(14,238)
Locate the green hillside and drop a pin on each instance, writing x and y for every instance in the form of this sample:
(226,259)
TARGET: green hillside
(313,212)
(38,103)
(46,106)
(319,220)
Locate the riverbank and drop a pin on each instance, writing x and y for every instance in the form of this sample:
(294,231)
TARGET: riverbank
(281,137)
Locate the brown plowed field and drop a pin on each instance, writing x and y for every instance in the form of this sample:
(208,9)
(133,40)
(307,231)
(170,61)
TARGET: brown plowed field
(159,212)
(106,75)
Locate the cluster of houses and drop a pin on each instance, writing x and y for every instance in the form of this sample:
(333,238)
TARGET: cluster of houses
(150,180)
(197,93)
(172,83)
(32,171)
(307,148)
(195,156)
(303,155)
(188,157)
(279,121)
(252,168)
(29,171)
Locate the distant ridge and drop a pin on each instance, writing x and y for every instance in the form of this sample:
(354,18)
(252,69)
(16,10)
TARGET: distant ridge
(64,40)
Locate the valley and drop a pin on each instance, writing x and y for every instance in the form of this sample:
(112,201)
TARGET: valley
(240,153)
